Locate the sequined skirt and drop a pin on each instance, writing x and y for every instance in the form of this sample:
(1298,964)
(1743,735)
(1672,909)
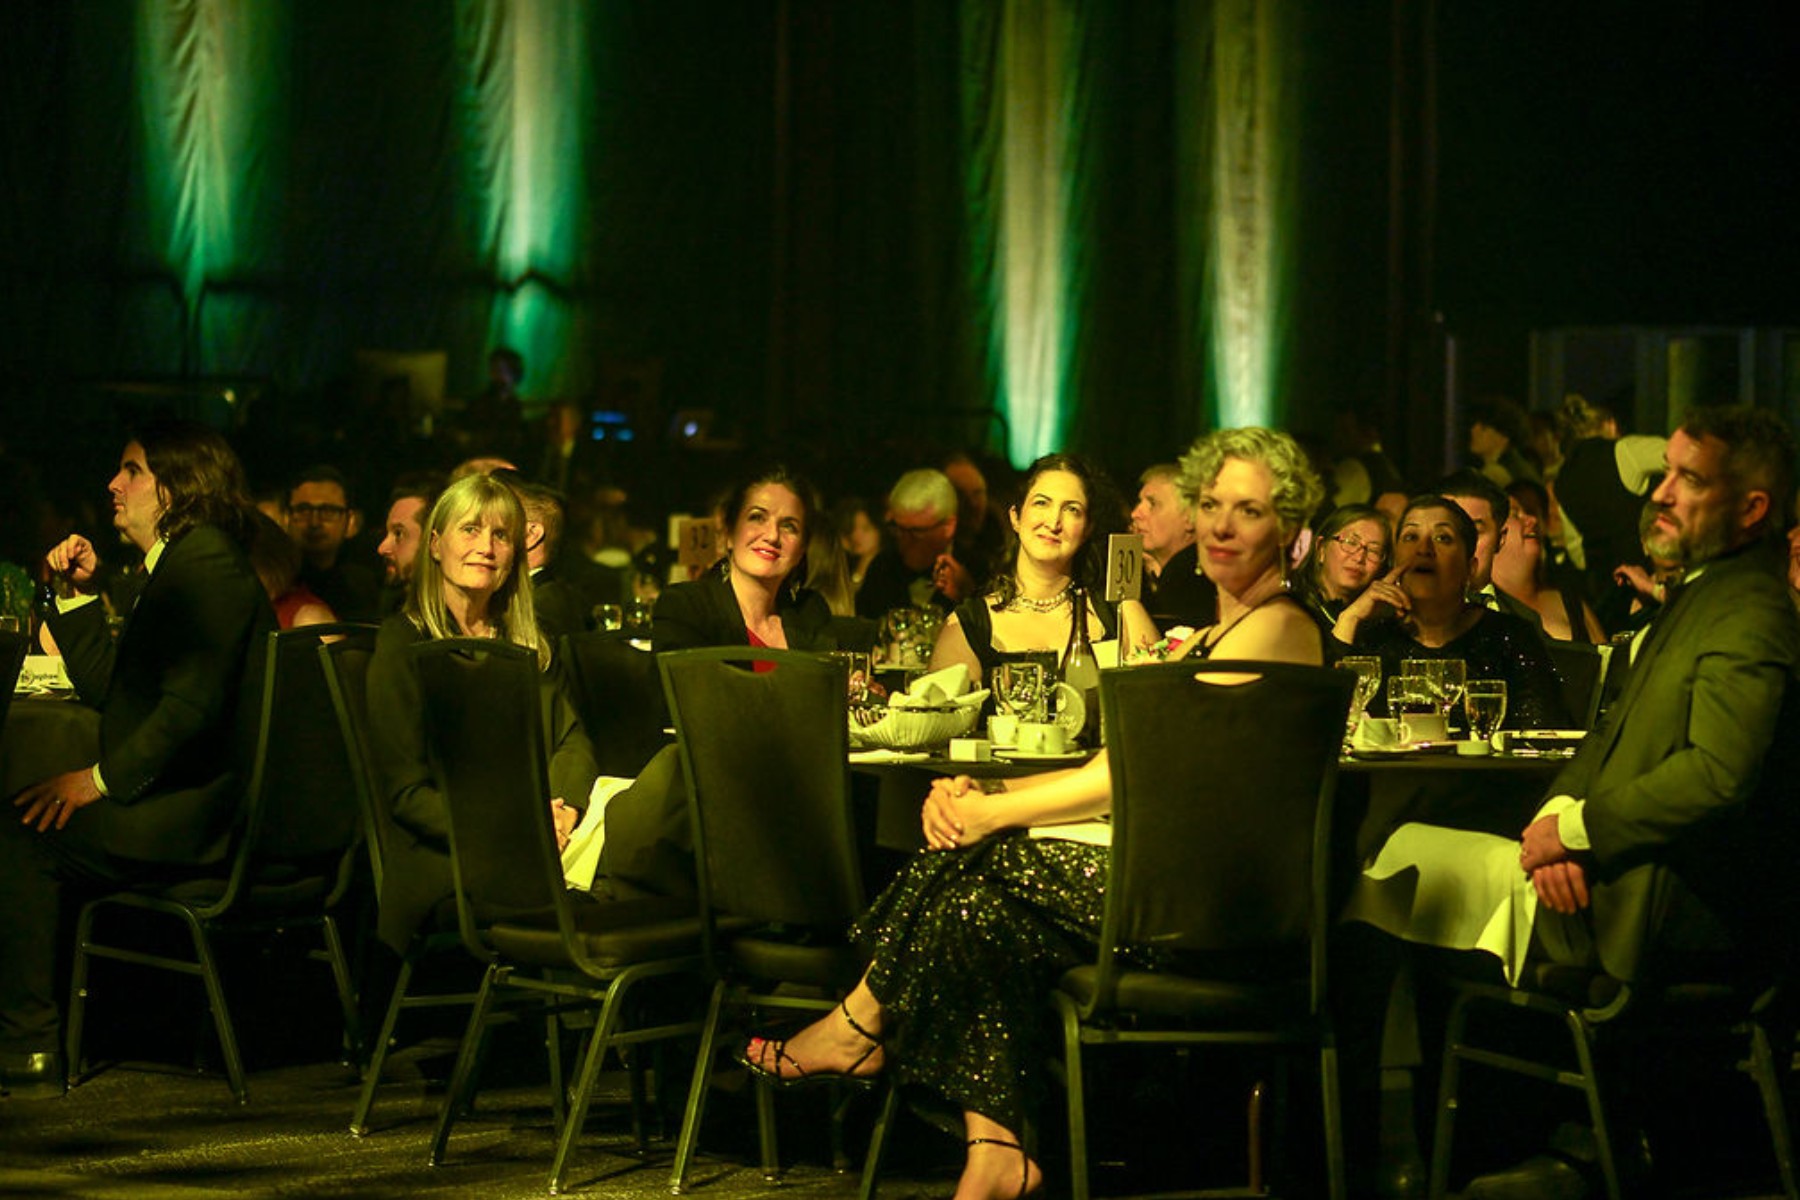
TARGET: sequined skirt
(965,945)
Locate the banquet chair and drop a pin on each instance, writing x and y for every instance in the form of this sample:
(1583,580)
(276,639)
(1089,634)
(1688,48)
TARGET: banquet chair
(1222,781)
(1582,670)
(1721,1004)
(618,698)
(544,948)
(774,850)
(292,863)
(346,666)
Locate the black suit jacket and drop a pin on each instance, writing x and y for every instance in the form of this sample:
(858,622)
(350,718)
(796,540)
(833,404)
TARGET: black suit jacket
(1689,780)
(178,698)
(561,607)
(416,848)
(705,613)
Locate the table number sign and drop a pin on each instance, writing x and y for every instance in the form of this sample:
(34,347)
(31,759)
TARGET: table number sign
(696,542)
(1124,567)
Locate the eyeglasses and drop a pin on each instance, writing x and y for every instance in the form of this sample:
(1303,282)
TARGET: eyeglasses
(1355,547)
(915,531)
(317,512)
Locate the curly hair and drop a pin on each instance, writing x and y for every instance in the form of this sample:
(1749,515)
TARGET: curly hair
(1105,516)
(1297,489)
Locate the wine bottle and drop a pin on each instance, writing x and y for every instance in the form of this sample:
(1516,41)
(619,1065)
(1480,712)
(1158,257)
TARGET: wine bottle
(1080,669)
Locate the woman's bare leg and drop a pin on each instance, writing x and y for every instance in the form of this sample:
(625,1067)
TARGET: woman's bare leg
(998,1167)
(833,1043)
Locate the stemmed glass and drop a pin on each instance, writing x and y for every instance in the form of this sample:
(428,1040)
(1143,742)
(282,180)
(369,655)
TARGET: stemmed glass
(1368,686)
(1484,701)
(1443,678)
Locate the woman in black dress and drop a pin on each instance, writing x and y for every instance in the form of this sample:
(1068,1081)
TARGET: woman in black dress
(1421,609)
(966,942)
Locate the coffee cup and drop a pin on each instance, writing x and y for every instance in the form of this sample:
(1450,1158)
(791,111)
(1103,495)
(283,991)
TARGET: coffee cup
(1376,733)
(1003,729)
(1042,737)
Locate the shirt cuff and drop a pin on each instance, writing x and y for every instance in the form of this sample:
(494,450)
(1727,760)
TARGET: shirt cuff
(99,783)
(1571,820)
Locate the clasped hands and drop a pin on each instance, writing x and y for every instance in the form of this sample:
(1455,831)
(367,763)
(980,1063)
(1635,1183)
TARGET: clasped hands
(1560,881)
(956,813)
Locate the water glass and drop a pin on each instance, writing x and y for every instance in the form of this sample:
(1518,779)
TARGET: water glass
(609,618)
(1484,701)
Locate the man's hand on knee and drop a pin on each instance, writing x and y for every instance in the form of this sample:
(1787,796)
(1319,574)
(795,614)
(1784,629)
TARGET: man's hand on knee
(56,798)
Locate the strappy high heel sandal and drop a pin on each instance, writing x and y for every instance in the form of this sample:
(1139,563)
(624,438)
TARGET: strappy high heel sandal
(776,1052)
(1024,1161)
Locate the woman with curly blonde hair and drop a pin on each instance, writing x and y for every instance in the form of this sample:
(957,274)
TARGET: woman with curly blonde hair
(1014,911)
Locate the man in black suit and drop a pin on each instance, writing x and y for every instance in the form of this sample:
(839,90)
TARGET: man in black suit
(321,518)
(1487,505)
(1669,837)
(161,798)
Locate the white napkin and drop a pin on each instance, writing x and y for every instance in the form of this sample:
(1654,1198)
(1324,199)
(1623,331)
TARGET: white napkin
(42,673)
(888,756)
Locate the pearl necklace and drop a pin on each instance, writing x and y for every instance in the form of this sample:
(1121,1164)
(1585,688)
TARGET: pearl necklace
(1023,603)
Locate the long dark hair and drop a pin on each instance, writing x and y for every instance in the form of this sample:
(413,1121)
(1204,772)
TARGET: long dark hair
(198,476)
(1309,581)
(1105,516)
(776,475)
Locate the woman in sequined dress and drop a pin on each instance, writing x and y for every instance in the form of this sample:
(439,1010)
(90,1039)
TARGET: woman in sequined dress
(965,944)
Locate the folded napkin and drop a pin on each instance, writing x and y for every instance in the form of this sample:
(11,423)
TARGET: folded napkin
(42,673)
(888,756)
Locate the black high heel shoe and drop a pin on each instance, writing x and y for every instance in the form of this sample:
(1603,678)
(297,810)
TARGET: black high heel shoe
(776,1051)
(1024,1162)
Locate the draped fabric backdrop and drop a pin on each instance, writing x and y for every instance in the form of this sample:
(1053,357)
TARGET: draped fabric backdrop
(843,228)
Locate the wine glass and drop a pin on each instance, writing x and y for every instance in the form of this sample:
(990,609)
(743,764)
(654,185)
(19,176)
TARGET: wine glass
(1442,678)
(1484,701)
(1368,686)
(856,675)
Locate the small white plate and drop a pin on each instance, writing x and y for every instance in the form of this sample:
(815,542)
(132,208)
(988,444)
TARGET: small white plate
(1016,755)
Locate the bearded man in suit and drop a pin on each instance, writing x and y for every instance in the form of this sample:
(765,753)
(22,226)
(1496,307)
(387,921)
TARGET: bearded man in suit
(162,796)
(1668,839)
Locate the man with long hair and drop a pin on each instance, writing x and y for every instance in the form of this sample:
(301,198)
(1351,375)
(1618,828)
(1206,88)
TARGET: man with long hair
(162,793)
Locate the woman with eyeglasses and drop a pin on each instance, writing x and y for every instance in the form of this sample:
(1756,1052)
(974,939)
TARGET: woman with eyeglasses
(1350,550)
(1422,609)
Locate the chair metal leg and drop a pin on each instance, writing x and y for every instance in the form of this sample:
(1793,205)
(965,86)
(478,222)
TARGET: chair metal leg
(1330,1089)
(1444,1130)
(634,1075)
(765,1130)
(221,1014)
(359,1120)
(590,1073)
(346,991)
(553,1050)
(78,981)
(1580,1034)
(890,1104)
(696,1100)
(1077,1102)
(1767,1073)
(462,1078)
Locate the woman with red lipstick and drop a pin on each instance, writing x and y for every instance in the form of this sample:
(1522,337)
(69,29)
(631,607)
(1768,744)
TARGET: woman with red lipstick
(1421,609)
(468,582)
(966,941)
(1058,539)
(755,597)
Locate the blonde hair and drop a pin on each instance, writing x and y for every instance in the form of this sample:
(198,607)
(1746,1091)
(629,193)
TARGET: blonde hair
(1297,491)
(511,608)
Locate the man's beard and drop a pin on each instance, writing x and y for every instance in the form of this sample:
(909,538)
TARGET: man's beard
(1690,546)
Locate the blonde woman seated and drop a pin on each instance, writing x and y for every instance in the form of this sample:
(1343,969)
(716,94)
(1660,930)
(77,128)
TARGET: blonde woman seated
(1058,539)
(469,581)
(966,942)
